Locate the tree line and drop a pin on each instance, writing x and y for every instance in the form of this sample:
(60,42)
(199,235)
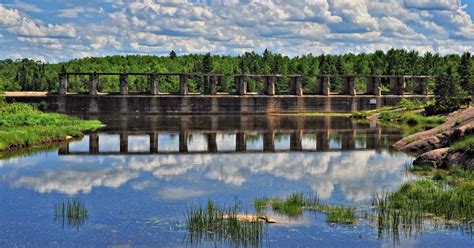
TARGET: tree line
(30,75)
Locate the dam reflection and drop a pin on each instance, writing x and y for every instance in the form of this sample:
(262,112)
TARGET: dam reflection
(246,136)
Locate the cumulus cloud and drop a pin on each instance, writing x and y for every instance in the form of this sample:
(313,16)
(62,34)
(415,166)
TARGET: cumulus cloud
(232,27)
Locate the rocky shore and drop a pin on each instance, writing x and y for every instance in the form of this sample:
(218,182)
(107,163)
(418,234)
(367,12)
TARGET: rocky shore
(432,147)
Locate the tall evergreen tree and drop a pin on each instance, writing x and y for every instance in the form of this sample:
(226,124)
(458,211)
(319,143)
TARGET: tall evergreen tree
(173,55)
(465,74)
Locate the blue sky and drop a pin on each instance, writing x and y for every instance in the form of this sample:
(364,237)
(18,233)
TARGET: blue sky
(56,30)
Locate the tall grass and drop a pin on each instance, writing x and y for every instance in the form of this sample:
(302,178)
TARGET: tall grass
(23,126)
(464,145)
(71,212)
(220,225)
(294,205)
(405,209)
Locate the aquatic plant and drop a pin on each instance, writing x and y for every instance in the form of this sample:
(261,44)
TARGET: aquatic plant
(222,225)
(342,215)
(406,209)
(294,205)
(71,212)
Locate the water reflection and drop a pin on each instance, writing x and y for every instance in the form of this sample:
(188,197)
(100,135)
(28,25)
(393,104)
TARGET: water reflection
(72,212)
(152,167)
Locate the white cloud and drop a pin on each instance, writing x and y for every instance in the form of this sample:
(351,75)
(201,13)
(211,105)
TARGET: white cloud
(231,27)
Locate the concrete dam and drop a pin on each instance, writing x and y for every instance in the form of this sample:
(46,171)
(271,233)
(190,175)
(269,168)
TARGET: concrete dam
(380,91)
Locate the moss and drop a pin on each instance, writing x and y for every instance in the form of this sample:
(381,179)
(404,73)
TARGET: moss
(24,126)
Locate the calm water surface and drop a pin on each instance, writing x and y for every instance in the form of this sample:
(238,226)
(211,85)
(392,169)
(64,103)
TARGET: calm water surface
(139,175)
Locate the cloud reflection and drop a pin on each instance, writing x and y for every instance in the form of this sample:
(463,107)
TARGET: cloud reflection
(358,174)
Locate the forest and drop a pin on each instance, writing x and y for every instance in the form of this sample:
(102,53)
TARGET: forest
(30,75)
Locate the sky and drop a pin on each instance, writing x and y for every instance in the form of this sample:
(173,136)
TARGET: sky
(59,30)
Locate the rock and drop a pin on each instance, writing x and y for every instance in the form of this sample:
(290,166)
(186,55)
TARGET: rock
(433,158)
(432,146)
(68,137)
(252,218)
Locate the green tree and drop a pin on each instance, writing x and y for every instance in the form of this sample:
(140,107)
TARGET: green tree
(465,74)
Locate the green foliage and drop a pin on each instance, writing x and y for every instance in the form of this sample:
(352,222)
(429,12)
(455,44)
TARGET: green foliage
(465,73)
(415,200)
(24,126)
(464,145)
(35,75)
(342,215)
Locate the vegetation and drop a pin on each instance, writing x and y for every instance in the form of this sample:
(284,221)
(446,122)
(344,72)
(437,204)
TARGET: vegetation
(342,215)
(216,224)
(31,75)
(294,204)
(24,126)
(406,209)
(464,145)
(73,212)
(406,115)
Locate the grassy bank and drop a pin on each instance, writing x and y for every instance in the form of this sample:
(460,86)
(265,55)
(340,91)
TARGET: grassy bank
(24,126)
(464,145)
(406,115)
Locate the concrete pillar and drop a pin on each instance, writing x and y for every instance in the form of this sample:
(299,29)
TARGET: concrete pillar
(240,85)
(241,142)
(64,149)
(296,141)
(297,86)
(93,80)
(212,142)
(269,85)
(124,142)
(183,84)
(211,85)
(154,142)
(348,141)
(401,85)
(269,141)
(93,143)
(183,141)
(348,85)
(323,86)
(63,83)
(373,85)
(420,85)
(123,84)
(322,140)
(154,87)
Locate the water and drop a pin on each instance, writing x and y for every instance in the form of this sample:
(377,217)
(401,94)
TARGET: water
(138,176)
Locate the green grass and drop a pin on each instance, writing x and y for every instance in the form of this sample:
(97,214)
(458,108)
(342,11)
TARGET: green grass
(220,225)
(464,145)
(342,215)
(73,212)
(23,126)
(294,205)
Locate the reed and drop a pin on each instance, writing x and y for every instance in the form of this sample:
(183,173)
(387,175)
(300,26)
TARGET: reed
(71,212)
(294,205)
(221,226)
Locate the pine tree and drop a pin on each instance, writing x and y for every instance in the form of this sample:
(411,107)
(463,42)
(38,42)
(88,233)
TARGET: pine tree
(449,95)
(465,75)
(207,65)
(173,55)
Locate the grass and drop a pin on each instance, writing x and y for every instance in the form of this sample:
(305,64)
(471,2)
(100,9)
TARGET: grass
(24,126)
(73,212)
(294,205)
(464,145)
(221,226)
(342,215)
